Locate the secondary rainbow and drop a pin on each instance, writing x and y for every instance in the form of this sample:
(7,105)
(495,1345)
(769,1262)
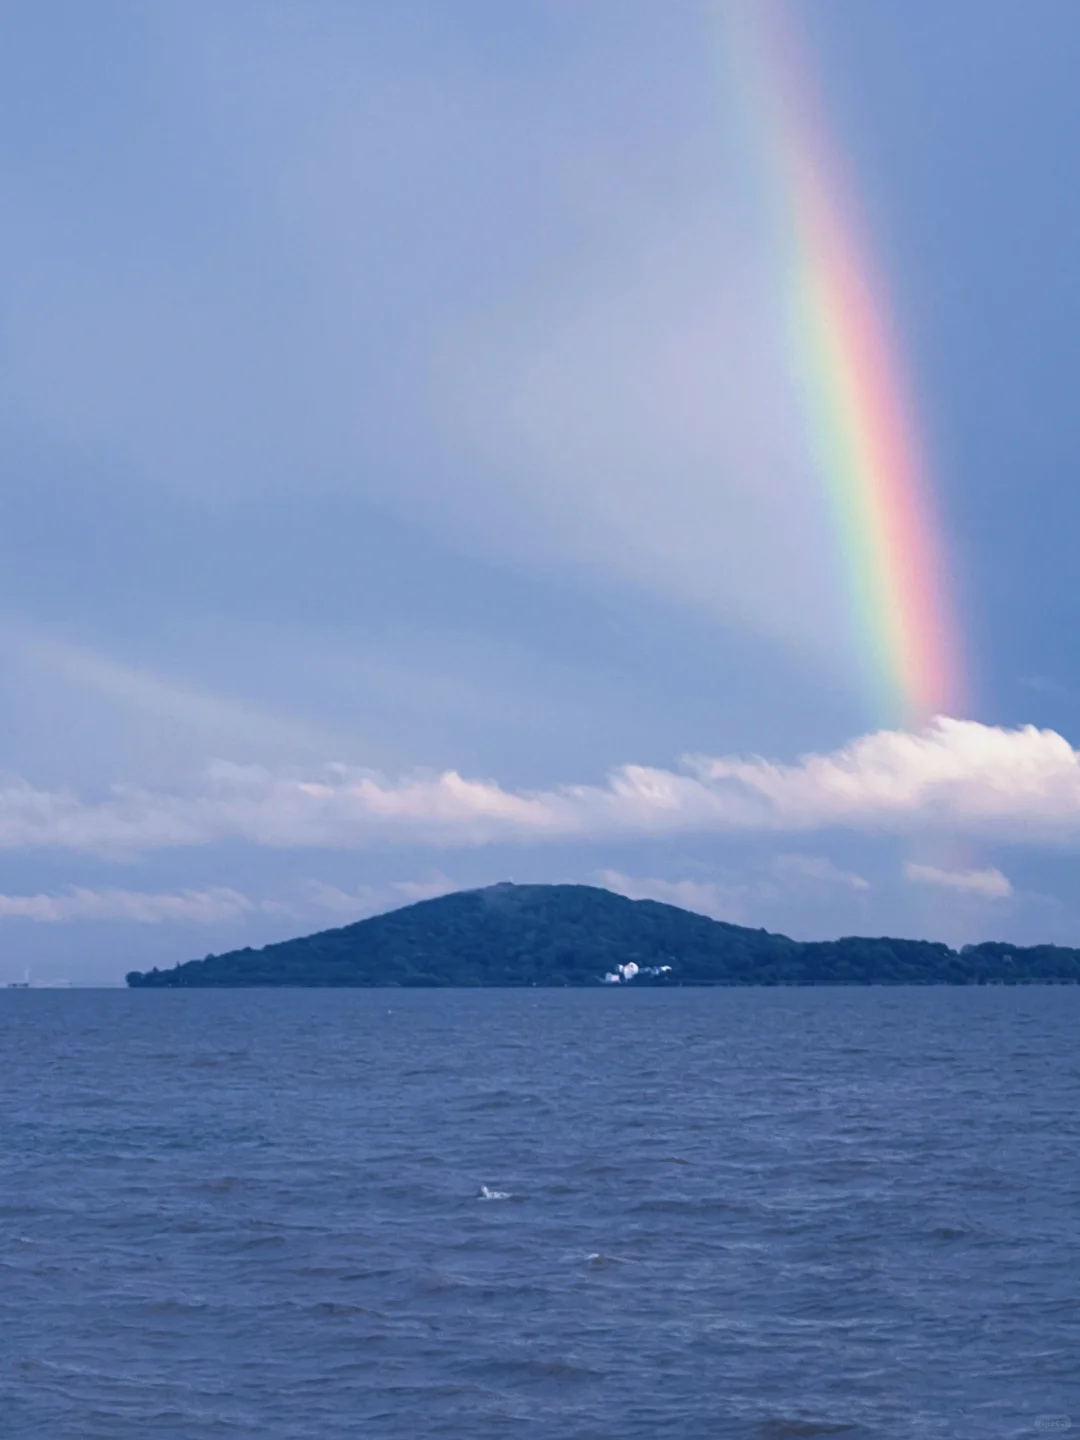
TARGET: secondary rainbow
(851,385)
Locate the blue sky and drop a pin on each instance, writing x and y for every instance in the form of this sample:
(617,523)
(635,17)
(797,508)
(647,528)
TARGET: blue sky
(390,391)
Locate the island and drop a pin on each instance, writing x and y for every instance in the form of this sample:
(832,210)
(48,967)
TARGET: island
(580,935)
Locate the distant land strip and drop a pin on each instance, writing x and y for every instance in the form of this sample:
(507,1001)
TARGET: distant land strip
(579,935)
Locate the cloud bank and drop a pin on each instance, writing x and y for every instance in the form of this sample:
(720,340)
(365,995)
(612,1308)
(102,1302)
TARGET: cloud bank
(707,897)
(199,907)
(956,776)
(370,899)
(990,883)
(218,904)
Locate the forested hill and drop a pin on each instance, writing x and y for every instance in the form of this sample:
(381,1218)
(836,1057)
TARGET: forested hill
(577,935)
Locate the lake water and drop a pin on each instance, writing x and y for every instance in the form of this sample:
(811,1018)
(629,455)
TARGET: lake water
(748,1213)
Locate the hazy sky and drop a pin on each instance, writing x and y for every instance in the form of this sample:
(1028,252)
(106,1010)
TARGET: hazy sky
(403,489)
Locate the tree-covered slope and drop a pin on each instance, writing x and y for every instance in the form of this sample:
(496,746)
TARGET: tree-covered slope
(575,934)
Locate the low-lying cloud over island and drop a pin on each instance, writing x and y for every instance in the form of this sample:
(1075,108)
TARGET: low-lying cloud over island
(956,776)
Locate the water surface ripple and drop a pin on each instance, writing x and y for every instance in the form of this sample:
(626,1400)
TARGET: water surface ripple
(560,1215)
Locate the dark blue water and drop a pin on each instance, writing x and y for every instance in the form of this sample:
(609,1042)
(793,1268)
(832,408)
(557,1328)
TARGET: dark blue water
(727,1213)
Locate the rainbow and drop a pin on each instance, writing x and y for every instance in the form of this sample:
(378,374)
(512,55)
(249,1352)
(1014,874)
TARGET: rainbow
(850,382)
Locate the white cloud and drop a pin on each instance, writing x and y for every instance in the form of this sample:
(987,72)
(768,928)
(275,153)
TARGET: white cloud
(371,899)
(734,900)
(956,776)
(818,869)
(990,883)
(414,890)
(706,897)
(216,904)
(192,907)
